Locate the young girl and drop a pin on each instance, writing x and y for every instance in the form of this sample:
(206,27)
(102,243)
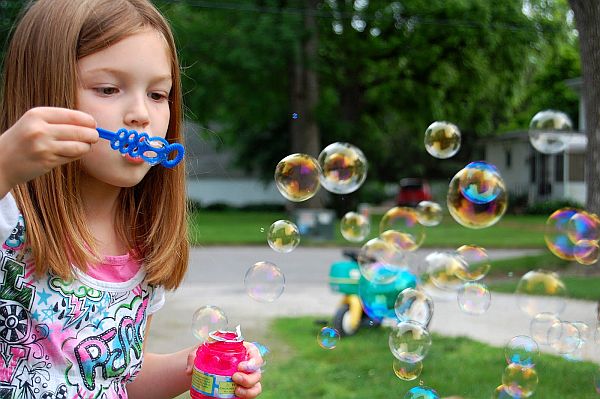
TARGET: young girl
(90,238)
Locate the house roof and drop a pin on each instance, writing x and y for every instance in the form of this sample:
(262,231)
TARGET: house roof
(577,140)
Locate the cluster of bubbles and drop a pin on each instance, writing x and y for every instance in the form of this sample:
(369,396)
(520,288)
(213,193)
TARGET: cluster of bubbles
(340,168)
(519,379)
(572,234)
(461,272)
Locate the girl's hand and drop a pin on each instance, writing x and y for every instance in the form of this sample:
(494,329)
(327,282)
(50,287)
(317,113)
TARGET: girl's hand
(42,139)
(249,375)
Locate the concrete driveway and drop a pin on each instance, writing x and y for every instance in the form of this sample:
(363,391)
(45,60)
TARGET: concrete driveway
(216,277)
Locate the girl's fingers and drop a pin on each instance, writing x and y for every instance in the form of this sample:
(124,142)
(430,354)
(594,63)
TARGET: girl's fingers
(71,149)
(74,133)
(247,380)
(248,393)
(55,115)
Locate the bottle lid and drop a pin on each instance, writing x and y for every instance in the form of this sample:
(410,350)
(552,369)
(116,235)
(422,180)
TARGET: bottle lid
(227,336)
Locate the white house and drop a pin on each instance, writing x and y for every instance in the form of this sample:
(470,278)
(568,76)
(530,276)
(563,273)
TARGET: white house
(537,176)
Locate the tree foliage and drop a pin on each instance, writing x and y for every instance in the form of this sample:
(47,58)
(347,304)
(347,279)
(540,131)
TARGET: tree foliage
(386,70)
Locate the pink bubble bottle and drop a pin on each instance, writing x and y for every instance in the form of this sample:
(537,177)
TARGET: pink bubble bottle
(216,361)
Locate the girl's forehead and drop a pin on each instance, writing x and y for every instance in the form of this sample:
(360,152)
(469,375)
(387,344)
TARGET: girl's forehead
(146,50)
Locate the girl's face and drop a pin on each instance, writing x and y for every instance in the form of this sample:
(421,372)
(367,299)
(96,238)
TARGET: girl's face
(126,85)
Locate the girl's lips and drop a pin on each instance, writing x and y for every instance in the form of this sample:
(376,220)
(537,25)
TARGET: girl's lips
(136,160)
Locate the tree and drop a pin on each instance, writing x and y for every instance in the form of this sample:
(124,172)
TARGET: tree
(587,19)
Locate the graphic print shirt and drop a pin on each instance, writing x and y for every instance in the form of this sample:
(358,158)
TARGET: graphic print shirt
(66,339)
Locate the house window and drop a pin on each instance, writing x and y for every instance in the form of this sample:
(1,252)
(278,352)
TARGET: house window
(507,158)
(559,162)
(577,167)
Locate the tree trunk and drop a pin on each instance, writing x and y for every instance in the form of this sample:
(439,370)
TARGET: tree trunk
(304,131)
(587,19)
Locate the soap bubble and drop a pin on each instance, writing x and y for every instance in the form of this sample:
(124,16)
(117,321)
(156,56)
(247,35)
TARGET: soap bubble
(442,268)
(375,261)
(472,214)
(264,282)
(474,263)
(541,291)
(549,131)
(519,381)
(522,350)
(586,252)
(429,213)
(283,236)
(297,177)
(421,392)
(412,304)
(407,371)
(481,182)
(556,233)
(540,325)
(500,393)
(583,226)
(409,341)
(379,300)
(207,319)
(442,139)
(400,226)
(264,351)
(474,298)
(343,168)
(355,227)
(328,338)
(564,337)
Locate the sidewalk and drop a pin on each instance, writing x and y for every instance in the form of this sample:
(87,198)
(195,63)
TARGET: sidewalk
(171,325)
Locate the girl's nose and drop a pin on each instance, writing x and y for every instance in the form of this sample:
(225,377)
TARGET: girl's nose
(137,114)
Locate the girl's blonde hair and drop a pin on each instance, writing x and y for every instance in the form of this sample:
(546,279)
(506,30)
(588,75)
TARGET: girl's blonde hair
(40,70)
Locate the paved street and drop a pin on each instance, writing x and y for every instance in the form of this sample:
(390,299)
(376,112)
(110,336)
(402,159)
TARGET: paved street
(216,277)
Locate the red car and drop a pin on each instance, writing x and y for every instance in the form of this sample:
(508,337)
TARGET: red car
(412,191)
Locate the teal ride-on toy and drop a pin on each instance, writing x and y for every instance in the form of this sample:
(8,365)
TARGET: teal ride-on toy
(364,303)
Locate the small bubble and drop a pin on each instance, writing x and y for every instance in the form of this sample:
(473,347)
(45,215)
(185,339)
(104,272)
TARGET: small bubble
(294,115)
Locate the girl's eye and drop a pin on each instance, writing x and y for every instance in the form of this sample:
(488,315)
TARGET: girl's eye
(158,96)
(107,91)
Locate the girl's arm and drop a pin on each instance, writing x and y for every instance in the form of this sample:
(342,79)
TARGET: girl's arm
(165,376)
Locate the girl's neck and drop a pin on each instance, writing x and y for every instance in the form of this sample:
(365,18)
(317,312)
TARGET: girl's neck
(100,207)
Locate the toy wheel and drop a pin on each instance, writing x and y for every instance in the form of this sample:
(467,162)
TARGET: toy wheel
(342,321)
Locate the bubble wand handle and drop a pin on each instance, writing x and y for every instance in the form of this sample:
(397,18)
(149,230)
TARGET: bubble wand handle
(154,150)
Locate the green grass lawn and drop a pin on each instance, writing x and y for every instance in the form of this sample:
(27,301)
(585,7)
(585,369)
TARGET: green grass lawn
(361,367)
(250,228)
(577,286)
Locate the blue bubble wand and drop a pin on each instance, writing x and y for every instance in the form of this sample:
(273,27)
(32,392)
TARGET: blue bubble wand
(154,150)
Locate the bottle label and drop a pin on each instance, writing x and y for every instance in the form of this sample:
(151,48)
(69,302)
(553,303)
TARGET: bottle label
(217,386)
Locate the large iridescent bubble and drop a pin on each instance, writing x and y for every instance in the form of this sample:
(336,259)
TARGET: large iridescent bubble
(463,208)
(475,263)
(343,166)
(283,236)
(297,177)
(375,261)
(522,350)
(207,319)
(442,139)
(442,268)
(556,233)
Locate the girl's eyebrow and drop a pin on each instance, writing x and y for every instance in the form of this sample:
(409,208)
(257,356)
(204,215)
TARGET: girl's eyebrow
(117,72)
